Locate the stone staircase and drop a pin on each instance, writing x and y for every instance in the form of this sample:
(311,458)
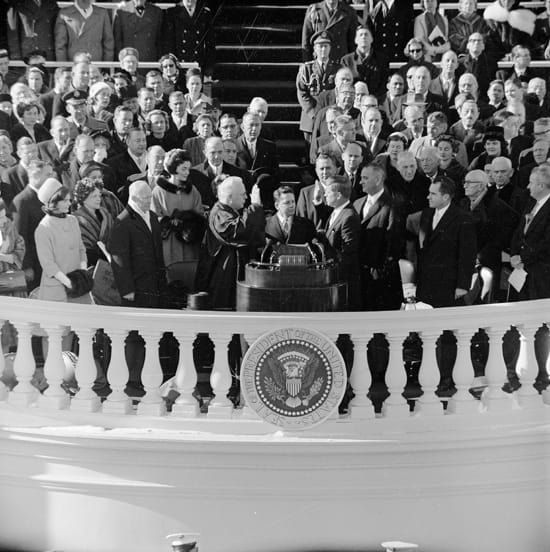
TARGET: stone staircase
(258,54)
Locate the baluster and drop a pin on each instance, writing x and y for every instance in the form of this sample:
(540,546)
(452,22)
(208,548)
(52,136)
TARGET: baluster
(220,378)
(462,401)
(429,403)
(494,398)
(186,405)
(86,399)
(361,407)
(395,406)
(3,388)
(244,411)
(527,368)
(546,392)
(117,375)
(151,404)
(23,367)
(54,370)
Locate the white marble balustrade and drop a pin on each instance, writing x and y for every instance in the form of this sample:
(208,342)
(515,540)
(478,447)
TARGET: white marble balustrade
(55,318)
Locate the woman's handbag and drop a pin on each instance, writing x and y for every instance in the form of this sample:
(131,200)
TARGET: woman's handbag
(12,281)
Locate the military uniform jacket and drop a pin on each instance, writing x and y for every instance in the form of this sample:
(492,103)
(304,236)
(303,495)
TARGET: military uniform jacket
(392,31)
(311,80)
(189,38)
(142,32)
(340,25)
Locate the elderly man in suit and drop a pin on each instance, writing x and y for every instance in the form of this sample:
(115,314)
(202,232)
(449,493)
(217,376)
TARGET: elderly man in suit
(468,130)
(341,233)
(213,167)
(338,19)
(259,157)
(478,62)
(344,134)
(530,246)
(446,83)
(58,150)
(285,226)
(84,27)
(311,201)
(138,266)
(390,102)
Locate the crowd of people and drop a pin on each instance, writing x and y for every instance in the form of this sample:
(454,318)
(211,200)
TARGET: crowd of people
(442,161)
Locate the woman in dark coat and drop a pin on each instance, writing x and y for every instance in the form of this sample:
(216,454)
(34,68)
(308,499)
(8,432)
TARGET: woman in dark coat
(28,125)
(95,221)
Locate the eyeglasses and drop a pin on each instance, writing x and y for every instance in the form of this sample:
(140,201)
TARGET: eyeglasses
(415,50)
(467,182)
(167,65)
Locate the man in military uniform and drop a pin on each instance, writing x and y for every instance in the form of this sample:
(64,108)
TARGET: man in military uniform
(138,25)
(338,19)
(314,77)
(392,25)
(187,33)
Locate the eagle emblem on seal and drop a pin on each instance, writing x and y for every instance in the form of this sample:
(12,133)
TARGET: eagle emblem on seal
(294,380)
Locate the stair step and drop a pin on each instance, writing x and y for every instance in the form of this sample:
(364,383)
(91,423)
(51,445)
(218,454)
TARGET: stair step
(257,70)
(260,53)
(231,91)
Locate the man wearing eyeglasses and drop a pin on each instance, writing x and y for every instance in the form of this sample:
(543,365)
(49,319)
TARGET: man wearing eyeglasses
(478,62)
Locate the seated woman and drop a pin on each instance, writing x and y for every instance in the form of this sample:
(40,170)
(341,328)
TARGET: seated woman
(99,101)
(195,99)
(159,132)
(28,115)
(494,146)
(415,50)
(129,61)
(35,79)
(432,28)
(172,77)
(94,220)
(179,206)
(447,148)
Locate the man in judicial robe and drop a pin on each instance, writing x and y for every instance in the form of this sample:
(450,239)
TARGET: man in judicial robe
(285,226)
(233,237)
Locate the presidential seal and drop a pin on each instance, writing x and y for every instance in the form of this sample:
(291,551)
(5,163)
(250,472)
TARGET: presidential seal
(293,378)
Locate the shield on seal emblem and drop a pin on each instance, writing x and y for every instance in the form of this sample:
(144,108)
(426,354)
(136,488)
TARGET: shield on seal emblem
(293,378)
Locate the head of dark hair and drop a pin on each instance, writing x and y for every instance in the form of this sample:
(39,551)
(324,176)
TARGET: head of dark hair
(175,158)
(446,185)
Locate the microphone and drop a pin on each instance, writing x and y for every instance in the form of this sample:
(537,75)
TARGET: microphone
(312,253)
(319,245)
(268,245)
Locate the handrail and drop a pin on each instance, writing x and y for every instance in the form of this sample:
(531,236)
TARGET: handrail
(417,5)
(53,319)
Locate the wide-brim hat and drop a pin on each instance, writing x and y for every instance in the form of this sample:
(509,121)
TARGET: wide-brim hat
(98,87)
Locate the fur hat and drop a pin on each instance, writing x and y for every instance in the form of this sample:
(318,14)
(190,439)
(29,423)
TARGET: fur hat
(81,282)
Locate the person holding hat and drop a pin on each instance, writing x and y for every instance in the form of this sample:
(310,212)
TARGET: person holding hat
(138,23)
(335,17)
(59,246)
(79,121)
(84,27)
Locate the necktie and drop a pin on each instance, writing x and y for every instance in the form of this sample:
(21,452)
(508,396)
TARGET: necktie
(529,218)
(286,227)
(436,219)
(252,149)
